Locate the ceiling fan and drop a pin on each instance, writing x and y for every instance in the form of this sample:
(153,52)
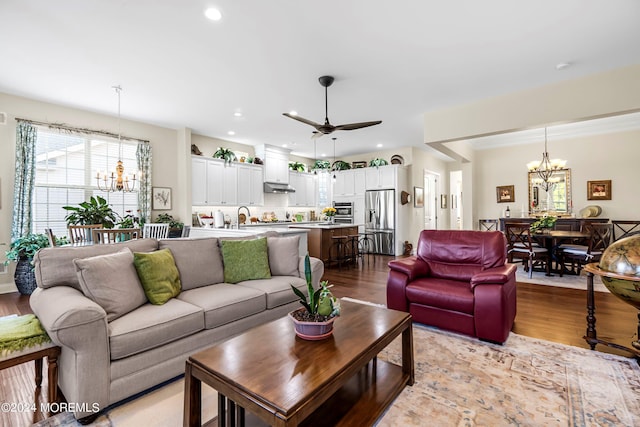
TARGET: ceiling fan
(327,128)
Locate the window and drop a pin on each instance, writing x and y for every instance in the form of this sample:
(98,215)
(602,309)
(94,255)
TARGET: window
(66,167)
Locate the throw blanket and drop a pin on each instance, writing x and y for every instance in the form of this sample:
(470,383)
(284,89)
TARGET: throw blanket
(20,332)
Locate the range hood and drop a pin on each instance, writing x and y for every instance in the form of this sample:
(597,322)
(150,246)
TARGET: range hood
(276,187)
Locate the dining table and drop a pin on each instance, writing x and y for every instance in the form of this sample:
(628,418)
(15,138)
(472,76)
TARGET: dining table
(551,239)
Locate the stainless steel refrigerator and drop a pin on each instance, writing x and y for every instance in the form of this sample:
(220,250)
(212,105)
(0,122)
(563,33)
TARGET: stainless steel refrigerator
(380,210)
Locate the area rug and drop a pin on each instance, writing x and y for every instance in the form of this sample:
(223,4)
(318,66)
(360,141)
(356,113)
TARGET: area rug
(461,381)
(570,281)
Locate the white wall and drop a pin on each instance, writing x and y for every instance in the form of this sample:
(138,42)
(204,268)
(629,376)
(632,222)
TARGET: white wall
(611,156)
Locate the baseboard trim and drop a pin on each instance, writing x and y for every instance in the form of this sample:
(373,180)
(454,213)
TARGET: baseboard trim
(6,288)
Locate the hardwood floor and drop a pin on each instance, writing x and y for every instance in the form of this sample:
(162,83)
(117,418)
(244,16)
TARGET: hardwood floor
(544,312)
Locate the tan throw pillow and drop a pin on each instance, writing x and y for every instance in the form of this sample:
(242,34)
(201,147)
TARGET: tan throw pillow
(283,255)
(111,281)
(158,274)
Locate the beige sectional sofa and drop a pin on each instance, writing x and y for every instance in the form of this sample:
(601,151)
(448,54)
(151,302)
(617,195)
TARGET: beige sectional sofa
(108,357)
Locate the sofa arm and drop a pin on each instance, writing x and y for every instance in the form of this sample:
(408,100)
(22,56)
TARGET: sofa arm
(412,267)
(494,276)
(317,269)
(79,326)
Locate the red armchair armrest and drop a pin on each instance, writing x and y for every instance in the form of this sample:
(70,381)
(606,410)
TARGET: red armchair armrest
(412,267)
(495,276)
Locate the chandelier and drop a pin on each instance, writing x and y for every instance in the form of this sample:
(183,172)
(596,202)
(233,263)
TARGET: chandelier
(117,180)
(545,168)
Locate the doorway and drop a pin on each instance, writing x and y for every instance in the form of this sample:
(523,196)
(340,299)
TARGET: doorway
(455,188)
(431,180)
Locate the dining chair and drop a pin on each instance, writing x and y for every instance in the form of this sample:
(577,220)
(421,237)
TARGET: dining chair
(624,228)
(114,235)
(50,236)
(521,245)
(155,231)
(82,233)
(578,255)
(488,224)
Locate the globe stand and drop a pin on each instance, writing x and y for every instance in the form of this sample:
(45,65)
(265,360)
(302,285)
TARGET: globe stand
(591,337)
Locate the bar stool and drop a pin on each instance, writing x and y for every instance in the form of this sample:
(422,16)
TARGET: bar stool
(366,245)
(337,250)
(352,251)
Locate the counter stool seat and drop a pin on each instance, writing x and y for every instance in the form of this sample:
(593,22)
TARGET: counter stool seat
(337,254)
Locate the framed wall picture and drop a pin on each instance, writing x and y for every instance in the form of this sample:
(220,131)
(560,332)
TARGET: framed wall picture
(599,190)
(506,194)
(418,197)
(161,199)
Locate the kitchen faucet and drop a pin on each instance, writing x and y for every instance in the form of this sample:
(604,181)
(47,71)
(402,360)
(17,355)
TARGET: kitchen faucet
(238,215)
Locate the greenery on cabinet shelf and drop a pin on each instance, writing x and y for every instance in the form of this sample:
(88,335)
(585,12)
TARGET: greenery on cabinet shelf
(321,301)
(378,162)
(27,246)
(166,218)
(249,160)
(95,211)
(341,165)
(321,164)
(226,154)
(542,223)
(297,166)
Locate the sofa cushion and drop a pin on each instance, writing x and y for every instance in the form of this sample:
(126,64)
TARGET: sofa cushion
(112,282)
(54,266)
(278,289)
(199,261)
(151,326)
(224,303)
(158,275)
(283,255)
(245,260)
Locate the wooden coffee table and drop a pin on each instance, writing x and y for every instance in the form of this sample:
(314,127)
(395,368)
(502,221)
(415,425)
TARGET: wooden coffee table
(283,380)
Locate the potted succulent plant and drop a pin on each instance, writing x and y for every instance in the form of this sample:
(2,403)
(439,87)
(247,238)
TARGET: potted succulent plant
(378,162)
(314,320)
(226,154)
(22,251)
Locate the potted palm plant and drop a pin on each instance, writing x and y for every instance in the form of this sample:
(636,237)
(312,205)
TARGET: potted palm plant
(226,154)
(95,211)
(314,320)
(22,251)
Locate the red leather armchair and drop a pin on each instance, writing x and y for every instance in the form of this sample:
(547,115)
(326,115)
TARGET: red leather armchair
(459,281)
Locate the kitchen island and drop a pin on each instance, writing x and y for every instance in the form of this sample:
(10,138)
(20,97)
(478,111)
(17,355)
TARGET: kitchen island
(320,236)
(282,230)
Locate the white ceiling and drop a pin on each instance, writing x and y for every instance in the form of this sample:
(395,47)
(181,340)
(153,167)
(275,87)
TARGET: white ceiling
(392,61)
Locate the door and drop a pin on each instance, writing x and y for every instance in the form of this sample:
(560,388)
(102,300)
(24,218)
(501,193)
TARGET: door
(431,180)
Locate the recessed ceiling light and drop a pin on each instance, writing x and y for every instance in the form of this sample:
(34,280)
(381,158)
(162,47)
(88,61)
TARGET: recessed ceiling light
(231,132)
(213,14)
(379,145)
(237,114)
(284,145)
(323,155)
(293,113)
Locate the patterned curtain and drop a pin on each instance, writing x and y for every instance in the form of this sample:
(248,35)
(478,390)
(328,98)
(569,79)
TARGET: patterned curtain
(143,154)
(26,135)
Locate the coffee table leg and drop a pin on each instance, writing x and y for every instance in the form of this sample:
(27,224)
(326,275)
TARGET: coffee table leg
(407,353)
(52,375)
(38,363)
(192,398)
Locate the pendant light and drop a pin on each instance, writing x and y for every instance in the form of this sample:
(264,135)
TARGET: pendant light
(117,180)
(545,168)
(334,159)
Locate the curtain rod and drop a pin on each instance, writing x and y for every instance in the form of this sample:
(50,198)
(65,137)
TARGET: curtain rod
(62,126)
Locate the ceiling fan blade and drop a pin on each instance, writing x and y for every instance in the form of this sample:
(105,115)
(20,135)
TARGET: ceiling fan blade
(303,120)
(315,134)
(352,126)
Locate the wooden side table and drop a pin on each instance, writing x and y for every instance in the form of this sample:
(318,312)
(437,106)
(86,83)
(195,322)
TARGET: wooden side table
(37,353)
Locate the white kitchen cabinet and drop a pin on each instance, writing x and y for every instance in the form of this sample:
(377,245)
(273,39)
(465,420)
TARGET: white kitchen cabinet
(344,184)
(382,177)
(305,186)
(213,182)
(276,163)
(250,185)
(359,181)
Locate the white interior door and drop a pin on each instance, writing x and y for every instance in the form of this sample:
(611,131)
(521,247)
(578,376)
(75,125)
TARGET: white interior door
(431,200)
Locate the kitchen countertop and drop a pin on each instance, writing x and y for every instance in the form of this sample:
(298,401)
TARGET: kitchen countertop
(322,225)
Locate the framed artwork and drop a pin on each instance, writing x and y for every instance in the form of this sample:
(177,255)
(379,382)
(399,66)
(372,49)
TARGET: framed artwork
(506,194)
(599,190)
(443,201)
(161,199)
(418,197)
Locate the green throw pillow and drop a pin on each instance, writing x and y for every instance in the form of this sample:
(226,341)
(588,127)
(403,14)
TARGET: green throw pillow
(245,260)
(158,274)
